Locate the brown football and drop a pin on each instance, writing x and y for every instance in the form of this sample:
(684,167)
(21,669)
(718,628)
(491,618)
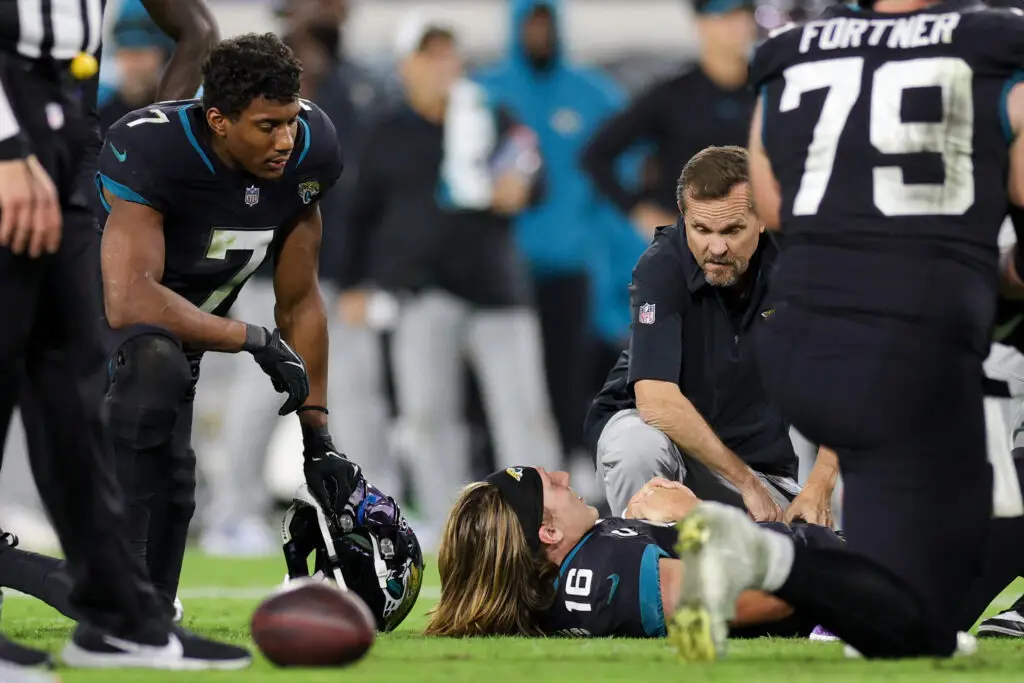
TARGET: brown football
(312,623)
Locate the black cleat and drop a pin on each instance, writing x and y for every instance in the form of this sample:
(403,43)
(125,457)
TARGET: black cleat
(1009,624)
(93,648)
(19,655)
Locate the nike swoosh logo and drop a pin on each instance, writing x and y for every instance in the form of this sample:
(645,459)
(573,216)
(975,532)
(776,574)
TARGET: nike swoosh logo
(614,578)
(121,156)
(300,366)
(172,650)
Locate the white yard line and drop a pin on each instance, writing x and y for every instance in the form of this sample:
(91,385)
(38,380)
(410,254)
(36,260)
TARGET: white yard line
(224,593)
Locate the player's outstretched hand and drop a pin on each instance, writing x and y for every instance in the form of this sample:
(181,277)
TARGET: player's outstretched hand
(759,502)
(332,478)
(30,218)
(284,367)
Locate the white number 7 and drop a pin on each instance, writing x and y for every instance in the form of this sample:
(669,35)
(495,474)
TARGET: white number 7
(255,242)
(842,79)
(158,117)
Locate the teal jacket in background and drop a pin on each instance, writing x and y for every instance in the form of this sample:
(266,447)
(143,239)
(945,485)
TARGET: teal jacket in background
(564,105)
(612,274)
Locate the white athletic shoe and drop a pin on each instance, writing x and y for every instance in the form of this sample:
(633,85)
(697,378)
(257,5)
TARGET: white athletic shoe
(10,673)
(966,645)
(821,634)
(91,648)
(723,554)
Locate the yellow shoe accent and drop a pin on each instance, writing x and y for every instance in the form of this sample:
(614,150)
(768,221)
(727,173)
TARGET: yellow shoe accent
(689,632)
(693,534)
(690,635)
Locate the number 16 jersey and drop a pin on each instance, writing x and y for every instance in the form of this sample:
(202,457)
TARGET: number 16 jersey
(220,223)
(889,137)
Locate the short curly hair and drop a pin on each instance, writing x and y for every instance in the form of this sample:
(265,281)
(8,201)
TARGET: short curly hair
(246,67)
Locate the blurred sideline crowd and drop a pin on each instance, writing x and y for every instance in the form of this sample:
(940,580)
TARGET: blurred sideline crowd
(458,343)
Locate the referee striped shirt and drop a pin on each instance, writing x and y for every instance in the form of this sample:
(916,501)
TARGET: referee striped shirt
(51,29)
(43,30)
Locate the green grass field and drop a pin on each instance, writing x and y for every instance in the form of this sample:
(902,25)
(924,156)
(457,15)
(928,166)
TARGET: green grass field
(219,596)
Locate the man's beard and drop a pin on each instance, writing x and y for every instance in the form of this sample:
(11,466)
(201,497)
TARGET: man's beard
(722,279)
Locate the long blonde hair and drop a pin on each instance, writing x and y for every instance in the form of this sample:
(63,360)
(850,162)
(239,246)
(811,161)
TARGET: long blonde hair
(491,583)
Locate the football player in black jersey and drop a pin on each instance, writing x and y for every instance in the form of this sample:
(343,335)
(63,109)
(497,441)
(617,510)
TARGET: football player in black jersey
(882,144)
(522,554)
(199,193)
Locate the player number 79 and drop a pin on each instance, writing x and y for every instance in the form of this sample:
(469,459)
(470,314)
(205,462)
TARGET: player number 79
(951,136)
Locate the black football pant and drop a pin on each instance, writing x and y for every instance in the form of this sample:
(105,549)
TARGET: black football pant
(904,411)
(1003,560)
(563,304)
(41,576)
(148,411)
(50,308)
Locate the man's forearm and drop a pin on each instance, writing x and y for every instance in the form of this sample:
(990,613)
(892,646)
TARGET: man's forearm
(304,326)
(151,303)
(825,471)
(194,31)
(686,427)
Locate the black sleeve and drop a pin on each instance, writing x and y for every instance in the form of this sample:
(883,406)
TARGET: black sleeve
(15,143)
(365,210)
(322,145)
(126,168)
(657,298)
(638,122)
(770,58)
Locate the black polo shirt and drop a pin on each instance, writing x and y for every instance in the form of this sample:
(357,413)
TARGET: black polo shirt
(699,336)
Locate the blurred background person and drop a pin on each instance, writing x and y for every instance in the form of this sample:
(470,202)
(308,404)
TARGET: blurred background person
(236,516)
(559,237)
(140,51)
(613,271)
(707,104)
(440,178)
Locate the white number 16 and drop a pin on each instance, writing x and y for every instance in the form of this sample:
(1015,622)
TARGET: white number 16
(577,584)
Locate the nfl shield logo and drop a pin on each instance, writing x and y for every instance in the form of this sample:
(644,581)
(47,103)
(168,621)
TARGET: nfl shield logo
(252,196)
(647,314)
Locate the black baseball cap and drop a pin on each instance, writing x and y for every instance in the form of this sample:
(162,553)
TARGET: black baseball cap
(523,489)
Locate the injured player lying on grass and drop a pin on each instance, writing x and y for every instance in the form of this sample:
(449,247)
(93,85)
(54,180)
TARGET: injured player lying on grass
(576,574)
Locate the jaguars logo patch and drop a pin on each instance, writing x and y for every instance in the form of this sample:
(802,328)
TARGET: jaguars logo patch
(309,191)
(515,472)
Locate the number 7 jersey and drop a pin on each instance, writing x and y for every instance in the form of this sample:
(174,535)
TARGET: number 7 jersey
(889,137)
(220,224)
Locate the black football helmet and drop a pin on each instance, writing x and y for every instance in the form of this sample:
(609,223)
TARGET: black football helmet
(377,556)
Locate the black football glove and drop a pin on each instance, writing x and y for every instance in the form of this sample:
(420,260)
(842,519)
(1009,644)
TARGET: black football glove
(332,478)
(284,367)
